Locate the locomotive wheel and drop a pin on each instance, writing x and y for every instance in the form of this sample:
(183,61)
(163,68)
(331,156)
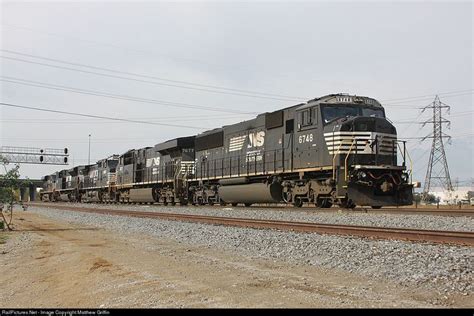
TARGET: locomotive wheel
(319,203)
(327,203)
(376,207)
(234,204)
(348,204)
(351,206)
(222,203)
(323,203)
(248,204)
(298,202)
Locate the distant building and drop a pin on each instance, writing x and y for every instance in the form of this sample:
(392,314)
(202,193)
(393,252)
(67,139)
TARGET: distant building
(462,194)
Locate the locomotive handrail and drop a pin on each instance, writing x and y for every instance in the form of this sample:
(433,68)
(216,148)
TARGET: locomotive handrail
(334,159)
(263,161)
(234,165)
(347,157)
(409,158)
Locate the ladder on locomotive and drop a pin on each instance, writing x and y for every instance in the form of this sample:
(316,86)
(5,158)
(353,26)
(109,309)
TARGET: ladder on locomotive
(183,171)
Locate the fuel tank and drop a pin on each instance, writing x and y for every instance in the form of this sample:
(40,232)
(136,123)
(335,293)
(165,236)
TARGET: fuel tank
(251,193)
(143,195)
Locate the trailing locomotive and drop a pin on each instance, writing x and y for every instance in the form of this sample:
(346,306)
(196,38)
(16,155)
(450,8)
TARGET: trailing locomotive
(337,149)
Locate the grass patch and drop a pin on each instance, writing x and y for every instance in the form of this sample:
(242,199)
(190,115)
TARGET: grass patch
(3,238)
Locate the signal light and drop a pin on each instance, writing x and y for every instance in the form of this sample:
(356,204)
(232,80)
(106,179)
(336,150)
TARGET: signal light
(65,151)
(41,158)
(65,159)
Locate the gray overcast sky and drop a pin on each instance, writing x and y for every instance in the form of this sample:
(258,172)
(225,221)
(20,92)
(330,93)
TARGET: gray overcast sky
(306,49)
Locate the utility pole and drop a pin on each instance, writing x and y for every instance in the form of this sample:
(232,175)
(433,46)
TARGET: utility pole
(89,159)
(438,170)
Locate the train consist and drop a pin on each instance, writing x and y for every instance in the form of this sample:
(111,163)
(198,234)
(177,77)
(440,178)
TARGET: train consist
(337,149)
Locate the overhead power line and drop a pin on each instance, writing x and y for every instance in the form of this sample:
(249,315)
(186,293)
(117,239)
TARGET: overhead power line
(457,114)
(151,82)
(115,96)
(82,121)
(239,92)
(244,68)
(115,46)
(401,104)
(152,77)
(97,116)
(452,136)
(427,95)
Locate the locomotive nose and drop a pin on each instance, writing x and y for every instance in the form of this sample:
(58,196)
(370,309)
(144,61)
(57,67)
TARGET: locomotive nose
(368,124)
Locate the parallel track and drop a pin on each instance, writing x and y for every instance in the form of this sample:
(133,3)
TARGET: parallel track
(469,212)
(385,210)
(406,210)
(443,237)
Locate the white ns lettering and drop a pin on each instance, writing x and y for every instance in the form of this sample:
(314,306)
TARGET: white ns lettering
(256,139)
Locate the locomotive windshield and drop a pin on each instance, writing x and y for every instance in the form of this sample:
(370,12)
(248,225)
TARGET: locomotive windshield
(373,112)
(112,164)
(331,113)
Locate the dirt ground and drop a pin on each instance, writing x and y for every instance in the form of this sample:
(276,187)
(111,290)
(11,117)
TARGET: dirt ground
(48,263)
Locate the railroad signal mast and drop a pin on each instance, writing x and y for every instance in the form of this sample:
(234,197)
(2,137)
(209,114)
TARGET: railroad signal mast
(30,155)
(437,170)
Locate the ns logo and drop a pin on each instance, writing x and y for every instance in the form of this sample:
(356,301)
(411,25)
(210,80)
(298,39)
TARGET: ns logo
(152,162)
(256,139)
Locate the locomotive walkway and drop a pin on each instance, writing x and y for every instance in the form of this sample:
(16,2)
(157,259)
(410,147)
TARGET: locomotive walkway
(433,236)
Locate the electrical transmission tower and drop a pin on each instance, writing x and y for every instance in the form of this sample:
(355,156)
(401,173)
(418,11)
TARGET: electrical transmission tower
(438,171)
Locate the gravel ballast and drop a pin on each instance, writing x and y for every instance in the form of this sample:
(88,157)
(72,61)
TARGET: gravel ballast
(445,269)
(416,221)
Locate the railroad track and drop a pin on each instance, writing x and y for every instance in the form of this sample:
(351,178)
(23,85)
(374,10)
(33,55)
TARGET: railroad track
(311,209)
(384,210)
(434,236)
(421,211)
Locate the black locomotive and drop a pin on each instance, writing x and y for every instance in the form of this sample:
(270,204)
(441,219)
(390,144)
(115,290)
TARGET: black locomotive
(337,149)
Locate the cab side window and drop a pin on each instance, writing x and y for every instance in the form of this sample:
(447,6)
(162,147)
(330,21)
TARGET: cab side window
(307,117)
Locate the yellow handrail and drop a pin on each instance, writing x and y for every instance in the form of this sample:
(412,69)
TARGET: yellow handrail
(334,160)
(343,142)
(347,157)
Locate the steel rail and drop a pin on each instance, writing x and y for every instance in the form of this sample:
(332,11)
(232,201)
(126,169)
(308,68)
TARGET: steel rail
(443,237)
(443,212)
(309,209)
